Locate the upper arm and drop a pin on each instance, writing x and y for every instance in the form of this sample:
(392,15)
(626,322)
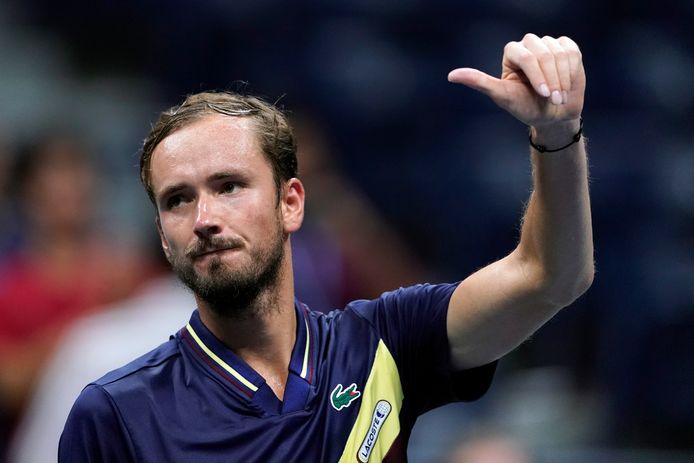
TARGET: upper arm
(94,431)
(495,309)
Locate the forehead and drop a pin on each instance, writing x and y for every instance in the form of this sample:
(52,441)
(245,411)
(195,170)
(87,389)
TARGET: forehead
(214,143)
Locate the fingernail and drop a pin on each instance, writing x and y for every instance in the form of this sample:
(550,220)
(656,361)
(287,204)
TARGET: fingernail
(544,90)
(565,97)
(556,97)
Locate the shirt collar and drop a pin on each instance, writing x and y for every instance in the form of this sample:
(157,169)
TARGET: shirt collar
(224,362)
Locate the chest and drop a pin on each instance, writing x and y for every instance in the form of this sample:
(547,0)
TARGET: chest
(352,407)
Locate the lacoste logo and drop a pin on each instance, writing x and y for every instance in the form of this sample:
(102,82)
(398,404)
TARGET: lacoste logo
(381,412)
(340,398)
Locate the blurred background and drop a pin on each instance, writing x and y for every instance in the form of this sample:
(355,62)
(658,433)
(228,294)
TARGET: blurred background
(409,178)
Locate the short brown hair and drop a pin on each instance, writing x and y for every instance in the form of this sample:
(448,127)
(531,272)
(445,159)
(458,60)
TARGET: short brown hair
(276,135)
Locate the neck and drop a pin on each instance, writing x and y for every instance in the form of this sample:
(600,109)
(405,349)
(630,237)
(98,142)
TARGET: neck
(265,337)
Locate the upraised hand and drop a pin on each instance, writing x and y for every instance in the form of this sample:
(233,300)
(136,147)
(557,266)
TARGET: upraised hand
(542,81)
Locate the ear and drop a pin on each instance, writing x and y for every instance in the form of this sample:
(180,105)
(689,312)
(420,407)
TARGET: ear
(164,242)
(292,205)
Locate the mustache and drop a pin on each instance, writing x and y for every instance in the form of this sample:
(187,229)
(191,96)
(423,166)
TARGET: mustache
(205,245)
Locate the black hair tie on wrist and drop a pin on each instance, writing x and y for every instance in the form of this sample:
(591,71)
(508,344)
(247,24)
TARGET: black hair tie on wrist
(544,149)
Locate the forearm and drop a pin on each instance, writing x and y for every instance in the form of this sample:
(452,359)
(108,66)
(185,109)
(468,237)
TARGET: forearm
(492,311)
(556,245)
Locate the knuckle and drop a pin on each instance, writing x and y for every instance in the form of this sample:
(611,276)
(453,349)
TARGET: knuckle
(568,43)
(530,36)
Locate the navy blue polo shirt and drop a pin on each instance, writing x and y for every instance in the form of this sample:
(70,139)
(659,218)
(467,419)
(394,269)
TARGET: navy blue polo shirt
(358,379)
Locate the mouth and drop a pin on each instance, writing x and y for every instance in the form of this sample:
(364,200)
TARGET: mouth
(203,249)
(213,252)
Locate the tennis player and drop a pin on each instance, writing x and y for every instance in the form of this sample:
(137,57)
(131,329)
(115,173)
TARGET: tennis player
(256,375)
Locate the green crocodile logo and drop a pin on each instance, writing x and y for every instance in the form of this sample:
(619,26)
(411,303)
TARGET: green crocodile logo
(341,398)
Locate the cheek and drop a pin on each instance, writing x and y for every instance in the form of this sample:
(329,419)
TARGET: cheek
(170,232)
(262,223)
(262,212)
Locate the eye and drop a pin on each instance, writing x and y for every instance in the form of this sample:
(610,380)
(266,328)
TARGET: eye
(228,187)
(174,201)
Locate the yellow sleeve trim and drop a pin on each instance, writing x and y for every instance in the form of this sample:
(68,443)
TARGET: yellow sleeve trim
(378,421)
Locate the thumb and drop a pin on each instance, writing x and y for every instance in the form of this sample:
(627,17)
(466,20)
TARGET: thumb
(477,80)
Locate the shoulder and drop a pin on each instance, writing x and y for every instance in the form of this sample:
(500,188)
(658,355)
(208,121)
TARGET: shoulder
(406,319)
(140,370)
(402,301)
(94,430)
(124,388)
(92,405)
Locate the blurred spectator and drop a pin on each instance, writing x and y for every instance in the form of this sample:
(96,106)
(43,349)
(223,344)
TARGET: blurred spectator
(345,248)
(4,201)
(90,348)
(7,226)
(61,268)
(490,447)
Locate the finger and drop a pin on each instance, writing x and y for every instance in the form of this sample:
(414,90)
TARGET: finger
(476,79)
(519,58)
(561,60)
(573,52)
(547,63)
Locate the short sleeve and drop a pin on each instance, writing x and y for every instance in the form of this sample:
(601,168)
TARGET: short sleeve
(94,432)
(412,323)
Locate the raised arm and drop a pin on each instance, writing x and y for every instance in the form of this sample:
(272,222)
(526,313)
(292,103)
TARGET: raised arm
(495,309)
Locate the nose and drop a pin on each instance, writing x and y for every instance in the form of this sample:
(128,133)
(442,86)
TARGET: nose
(207,222)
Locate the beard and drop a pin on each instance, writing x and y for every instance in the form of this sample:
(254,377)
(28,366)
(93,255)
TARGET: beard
(232,292)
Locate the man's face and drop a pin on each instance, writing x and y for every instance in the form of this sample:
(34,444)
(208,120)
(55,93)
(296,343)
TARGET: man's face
(221,225)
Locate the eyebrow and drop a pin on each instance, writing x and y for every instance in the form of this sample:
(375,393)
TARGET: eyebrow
(176,187)
(223,175)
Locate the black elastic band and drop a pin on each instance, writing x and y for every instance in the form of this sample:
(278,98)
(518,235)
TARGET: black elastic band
(544,149)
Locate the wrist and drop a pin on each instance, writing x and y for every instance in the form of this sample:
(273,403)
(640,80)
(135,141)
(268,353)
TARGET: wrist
(556,136)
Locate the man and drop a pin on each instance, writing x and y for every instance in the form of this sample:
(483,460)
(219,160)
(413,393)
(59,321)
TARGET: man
(257,376)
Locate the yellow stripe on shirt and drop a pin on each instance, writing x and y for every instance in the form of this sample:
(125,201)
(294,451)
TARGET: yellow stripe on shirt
(308,341)
(221,362)
(383,391)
